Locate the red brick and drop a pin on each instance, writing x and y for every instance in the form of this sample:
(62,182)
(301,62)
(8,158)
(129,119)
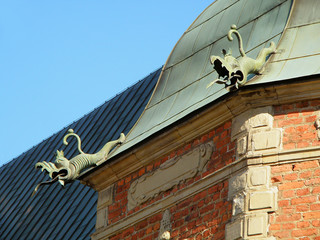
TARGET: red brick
(127,232)
(120,196)
(316,172)
(314,181)
(289,218)
(275,227)
(303,144)
(315,206)
(121,182)
(306,165)
(302,192)
(315,103)
(149,167)
(141,225)
(303,224)
(302,208)
(128,179)
(300,200)
(316,223)
(288,226)
(199,196)
(311,215)
(316,190)
(283,203)
(311,119)
(303,104)
(142,171)
(227,125)
(282,234)
(304,232)
(288,193)
(276,179)
(291,185)
(305,175)
(291,176)
(288,122)
(149,230)
(293,115)
(156,227)
(289,146)
(281,168)
(288,210)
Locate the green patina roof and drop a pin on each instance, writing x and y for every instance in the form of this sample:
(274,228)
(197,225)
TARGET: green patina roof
(182,86)
(299,47)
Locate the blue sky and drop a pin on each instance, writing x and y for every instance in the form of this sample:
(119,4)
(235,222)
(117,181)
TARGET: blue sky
(61,59)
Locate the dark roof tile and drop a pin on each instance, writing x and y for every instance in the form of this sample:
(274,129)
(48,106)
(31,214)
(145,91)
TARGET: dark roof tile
(70,212)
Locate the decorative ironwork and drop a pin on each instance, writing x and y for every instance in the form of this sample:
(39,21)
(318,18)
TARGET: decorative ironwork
(65,171)
(233,72)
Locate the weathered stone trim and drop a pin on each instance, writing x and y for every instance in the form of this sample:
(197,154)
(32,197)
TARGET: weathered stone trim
(198,124)
(169,174)
(253,198)
(105,198)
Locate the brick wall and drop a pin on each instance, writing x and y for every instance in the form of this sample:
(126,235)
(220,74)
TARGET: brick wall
(298,215)
(204,214)
(297,121)
(201,216)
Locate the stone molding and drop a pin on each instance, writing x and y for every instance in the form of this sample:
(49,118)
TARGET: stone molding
(169,174)
(253,198)
(198,124)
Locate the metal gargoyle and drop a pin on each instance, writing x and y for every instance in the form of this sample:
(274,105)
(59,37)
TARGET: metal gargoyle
(233,72)
(65,171)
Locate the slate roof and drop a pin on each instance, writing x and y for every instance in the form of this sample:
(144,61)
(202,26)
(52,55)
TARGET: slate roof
(69,213)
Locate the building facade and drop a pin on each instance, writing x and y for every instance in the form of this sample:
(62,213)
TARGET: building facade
(227,145)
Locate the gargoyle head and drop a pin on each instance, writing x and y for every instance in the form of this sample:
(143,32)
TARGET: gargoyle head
(61,161)
(233,72)
(228,69)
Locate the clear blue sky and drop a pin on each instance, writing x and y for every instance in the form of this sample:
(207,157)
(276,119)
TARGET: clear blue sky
(61,59)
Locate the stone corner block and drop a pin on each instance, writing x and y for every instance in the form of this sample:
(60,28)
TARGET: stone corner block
(234,230)
(105,197)
(266,140)
(259,176)
(257,225)
(238,203)
(262,200)
(253,118)
(237,184)
(101,221)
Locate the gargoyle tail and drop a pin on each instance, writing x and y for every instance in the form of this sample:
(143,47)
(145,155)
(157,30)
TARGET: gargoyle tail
(71,133)
(234,30)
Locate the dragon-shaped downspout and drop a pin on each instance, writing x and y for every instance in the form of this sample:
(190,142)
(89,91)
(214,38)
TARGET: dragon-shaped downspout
(233,72)
(64,170)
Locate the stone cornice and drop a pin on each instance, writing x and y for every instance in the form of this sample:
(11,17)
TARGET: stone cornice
(198,124)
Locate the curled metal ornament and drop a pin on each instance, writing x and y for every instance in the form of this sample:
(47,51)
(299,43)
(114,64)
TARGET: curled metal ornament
(65,171)
(233,72)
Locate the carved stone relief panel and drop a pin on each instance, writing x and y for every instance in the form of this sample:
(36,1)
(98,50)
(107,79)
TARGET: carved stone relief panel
(169,174)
